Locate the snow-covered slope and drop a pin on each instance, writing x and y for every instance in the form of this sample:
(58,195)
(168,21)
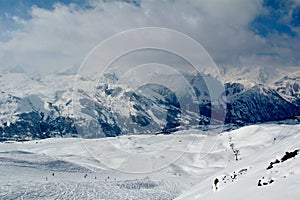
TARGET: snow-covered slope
(182,165)
(268,167)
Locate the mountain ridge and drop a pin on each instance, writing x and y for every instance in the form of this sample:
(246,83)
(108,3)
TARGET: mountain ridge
(45,105)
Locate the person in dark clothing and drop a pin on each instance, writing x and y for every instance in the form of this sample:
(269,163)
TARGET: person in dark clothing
(216,181)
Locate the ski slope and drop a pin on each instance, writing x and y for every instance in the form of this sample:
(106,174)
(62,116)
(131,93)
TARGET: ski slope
(182,166)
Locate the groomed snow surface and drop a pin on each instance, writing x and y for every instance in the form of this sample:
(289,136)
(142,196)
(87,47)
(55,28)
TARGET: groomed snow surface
(186,165)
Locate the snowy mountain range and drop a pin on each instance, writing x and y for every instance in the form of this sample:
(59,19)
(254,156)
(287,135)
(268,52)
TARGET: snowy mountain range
(42,106)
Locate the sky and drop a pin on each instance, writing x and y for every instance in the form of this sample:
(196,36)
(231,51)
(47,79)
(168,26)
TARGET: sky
(51,35)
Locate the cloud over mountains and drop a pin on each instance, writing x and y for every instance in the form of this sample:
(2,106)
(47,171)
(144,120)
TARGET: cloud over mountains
(235,33)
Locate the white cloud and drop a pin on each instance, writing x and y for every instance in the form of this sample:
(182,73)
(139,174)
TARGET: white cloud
(61,37)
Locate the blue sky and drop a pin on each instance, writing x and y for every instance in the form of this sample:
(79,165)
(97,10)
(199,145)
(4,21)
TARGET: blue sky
(21,9)
(234,32)
(281,17)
